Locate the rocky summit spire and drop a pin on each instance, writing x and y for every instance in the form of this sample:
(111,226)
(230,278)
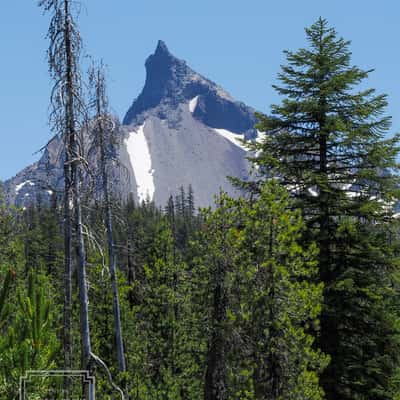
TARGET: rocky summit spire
(171,84)
(161,58)
(162,71)
(161,49)
(169,80)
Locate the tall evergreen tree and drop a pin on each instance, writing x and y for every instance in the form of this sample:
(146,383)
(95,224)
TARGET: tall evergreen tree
(255,301)
(281,303)
(326,142)
(217,246)
(29,341)
(160,348)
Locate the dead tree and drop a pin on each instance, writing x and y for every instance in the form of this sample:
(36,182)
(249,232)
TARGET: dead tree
(103,144)
(67,119)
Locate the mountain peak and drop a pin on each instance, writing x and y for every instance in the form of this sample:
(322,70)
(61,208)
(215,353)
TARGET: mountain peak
(182,129)
(166,75)
(169,80)
(161,48)
(160,65)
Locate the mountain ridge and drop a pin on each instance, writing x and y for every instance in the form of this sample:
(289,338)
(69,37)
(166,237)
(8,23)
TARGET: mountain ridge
(181,129)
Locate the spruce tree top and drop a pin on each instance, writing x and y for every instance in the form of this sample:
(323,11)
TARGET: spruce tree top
(326,140)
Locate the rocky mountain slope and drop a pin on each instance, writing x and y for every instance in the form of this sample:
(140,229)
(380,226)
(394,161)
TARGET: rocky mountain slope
(182,129)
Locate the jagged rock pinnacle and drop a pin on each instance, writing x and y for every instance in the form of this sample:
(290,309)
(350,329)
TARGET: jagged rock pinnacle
(161,68)
(161,48)
(170,82)
(161,56)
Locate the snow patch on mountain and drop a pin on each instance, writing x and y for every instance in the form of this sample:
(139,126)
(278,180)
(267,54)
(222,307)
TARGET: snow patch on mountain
(260,136)
(193,104)
(259,139)
(234,138)
(139,155)
(21,185)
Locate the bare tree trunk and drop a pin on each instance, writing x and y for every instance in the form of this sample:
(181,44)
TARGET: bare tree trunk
(83,295)
(68,111)
(75,175)
(68,177)
(67,340)
(104,141)
(114,283)
(113,273)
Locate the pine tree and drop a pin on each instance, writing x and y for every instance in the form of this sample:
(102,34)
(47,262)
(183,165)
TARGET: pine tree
(190,202)
(32,238)
(159,327)
(217,249)
(51,233)
(282,302)
(11,244)
(29,342)
(255,302)
(326,143)
(5,288)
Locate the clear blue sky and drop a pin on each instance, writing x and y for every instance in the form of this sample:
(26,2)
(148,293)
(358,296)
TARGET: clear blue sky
(236,43)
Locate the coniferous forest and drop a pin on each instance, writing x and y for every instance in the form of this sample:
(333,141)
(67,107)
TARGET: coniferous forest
(288,292)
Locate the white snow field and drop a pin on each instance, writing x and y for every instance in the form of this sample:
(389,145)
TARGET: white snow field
(140,158)
(234,138)
(193,104)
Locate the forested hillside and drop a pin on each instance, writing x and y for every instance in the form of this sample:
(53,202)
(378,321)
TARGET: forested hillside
(198,294)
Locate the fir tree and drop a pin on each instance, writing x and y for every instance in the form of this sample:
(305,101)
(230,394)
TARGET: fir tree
(255,302)
(326,142)
(29,342)
(281,303)
(217,249)
(160,325)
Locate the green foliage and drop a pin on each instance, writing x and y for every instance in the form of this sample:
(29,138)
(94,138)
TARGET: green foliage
(4,292)
(214,269)
(169,285)
(326,143)
(256,302)
(29,342)
(10,238)
(283,302)
(167,368)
